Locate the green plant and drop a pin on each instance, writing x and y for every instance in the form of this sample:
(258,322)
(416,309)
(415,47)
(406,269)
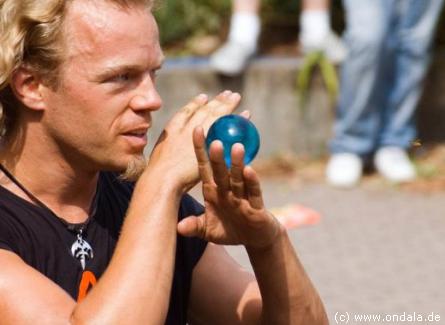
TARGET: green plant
(181,19)
(312,62)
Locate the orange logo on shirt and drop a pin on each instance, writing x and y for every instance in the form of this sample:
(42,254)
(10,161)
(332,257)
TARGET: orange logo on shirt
(86,283)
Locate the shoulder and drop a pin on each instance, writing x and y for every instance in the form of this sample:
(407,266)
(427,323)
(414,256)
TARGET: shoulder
(15,214)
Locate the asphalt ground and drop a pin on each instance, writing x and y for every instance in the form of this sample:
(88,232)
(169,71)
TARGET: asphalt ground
(379,249)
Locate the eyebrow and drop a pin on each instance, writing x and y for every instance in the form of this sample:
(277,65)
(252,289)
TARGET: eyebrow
(112,70)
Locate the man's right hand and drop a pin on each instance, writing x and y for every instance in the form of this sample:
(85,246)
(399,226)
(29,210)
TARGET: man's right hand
(173,154)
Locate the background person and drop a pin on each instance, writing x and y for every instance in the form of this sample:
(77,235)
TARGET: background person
(245,27)
(381,81)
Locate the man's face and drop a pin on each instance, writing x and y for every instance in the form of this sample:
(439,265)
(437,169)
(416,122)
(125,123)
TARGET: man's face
(100,114)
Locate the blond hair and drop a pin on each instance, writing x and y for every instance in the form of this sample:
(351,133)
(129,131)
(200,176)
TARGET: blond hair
(30,35)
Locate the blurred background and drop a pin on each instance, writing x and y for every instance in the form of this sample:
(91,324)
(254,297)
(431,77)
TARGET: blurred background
(198,27)
(375,248)
(293,136)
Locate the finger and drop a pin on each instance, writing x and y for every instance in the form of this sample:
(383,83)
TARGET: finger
(192,227)
(205,170)
(236,170)
(206,113)
(246,114)
(253,188)
(217,100)
(220,172)
(220,98)
(188,110)
(224,103)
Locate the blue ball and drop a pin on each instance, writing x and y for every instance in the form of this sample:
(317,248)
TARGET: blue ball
(231,129)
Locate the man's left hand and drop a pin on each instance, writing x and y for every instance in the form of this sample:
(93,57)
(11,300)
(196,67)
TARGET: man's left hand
(234,208)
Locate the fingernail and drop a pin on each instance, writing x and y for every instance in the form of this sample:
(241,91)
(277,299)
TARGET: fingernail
(202,97)
(238,145)
(234,97)
(246,113)
(226,93)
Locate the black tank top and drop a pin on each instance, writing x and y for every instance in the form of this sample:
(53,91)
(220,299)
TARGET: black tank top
(44,241)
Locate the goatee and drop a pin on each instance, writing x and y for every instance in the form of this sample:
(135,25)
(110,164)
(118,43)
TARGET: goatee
(134,170)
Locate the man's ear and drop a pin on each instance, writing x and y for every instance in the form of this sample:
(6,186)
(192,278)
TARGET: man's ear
(27,86)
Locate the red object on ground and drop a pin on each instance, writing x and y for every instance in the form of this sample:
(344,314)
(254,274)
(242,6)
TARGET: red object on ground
(296,215)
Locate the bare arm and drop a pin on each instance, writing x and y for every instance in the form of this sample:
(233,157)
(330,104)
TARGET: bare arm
(288,294)
(27,295)
(235,214)
(222,291)
(135,287)
(225,293)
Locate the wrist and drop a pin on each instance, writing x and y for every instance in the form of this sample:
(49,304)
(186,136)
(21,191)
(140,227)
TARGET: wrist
(273,245)
(166,182)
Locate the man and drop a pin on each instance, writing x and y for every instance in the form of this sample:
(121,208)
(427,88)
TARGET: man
(77,90)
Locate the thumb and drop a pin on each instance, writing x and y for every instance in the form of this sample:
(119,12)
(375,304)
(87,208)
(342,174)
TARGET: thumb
(192,226)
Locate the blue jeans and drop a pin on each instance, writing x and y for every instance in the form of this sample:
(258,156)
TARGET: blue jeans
(389,45)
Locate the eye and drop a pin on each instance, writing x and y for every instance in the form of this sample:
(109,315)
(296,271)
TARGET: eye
(154,73)
(122,77)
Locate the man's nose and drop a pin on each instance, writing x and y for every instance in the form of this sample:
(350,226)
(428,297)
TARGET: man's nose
(146,97)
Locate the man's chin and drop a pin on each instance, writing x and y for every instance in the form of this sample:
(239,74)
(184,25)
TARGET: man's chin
(135,168)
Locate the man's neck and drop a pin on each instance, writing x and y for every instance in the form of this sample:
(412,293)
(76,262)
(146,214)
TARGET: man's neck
(66,189)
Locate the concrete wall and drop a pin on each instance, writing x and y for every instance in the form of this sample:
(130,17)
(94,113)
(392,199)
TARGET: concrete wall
(269,91)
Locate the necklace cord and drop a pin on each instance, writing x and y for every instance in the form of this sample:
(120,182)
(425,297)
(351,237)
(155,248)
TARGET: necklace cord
(71,226)
(80,249)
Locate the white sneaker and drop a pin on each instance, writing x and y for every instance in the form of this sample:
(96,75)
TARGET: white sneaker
(335,49)
(232,58)
(394,164)
(331,45)
(344,170)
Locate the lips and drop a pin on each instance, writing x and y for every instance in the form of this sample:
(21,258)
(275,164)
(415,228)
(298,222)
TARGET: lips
(136,137)
(136,133)
(138,130)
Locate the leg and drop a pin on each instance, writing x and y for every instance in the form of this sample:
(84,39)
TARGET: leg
(315,23)
(252,6)
(357,120)
(245,23)
(411,43)
(316,33)
(233,56)
(316,5)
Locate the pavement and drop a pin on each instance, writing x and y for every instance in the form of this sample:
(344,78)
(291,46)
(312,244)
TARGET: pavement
(378,250)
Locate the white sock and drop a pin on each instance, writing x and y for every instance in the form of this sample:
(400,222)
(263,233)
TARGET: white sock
(245,29)
(314,28)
